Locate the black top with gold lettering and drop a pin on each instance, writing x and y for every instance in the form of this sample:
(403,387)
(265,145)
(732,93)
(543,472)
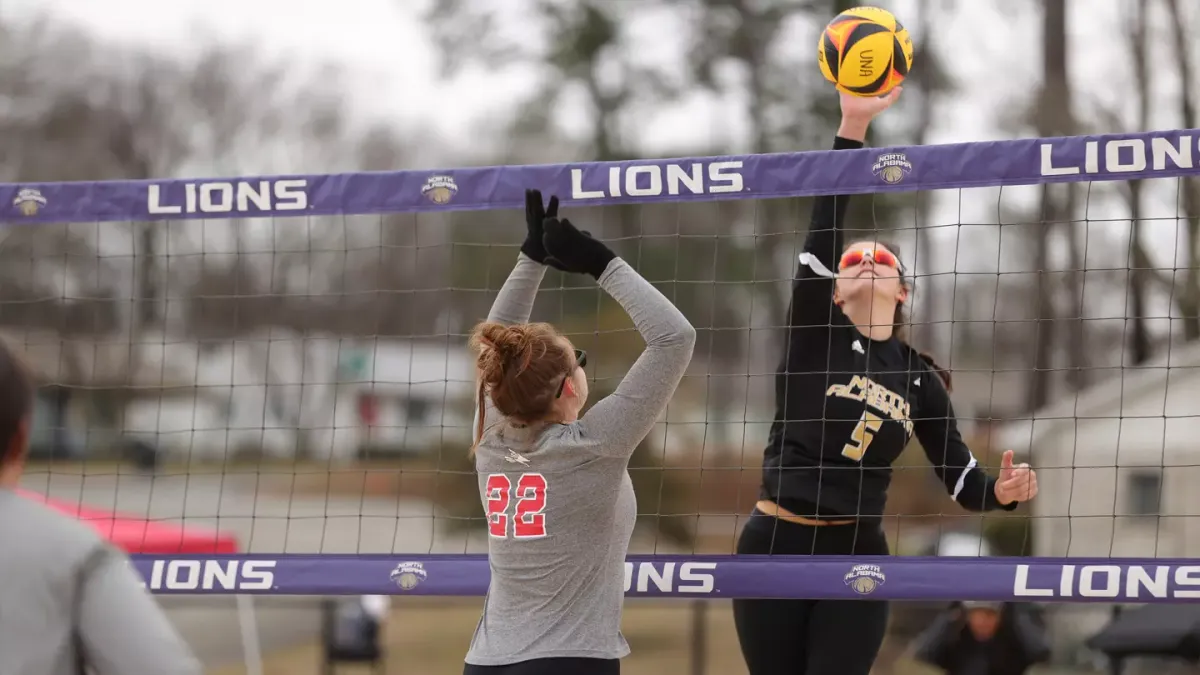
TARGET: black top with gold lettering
(846,405)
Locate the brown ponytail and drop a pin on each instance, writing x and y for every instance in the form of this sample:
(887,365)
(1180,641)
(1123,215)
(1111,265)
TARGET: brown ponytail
(520,367)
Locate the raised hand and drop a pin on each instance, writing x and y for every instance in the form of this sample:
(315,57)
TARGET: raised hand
(1016,483)
(535,215)
(575,250)
(868,107)
(858,111)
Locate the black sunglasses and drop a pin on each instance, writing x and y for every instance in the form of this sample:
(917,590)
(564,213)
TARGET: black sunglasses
(580,361)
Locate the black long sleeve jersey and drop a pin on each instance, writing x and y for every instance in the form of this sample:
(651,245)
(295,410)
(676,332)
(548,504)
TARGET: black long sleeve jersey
(846,405)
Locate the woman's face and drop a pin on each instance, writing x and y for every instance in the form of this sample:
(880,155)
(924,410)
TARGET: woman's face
(869,270)
(576,395)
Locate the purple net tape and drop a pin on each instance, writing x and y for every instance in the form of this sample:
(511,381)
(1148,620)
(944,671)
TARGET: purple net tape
(1019,162)
(699,577)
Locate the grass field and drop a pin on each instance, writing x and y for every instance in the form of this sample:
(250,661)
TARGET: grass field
(430,637)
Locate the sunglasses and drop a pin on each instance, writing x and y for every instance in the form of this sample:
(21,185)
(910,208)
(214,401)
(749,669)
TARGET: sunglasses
(580,361)
(879,256)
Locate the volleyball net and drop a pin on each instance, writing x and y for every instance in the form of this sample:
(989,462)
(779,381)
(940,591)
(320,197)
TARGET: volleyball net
(282,361)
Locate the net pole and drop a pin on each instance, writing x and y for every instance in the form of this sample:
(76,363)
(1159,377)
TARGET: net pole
(248,622)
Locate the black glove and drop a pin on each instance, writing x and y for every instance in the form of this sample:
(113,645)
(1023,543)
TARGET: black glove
(535,215)
(576,251)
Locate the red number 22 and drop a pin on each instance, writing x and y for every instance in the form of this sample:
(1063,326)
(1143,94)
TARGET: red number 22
(529,521)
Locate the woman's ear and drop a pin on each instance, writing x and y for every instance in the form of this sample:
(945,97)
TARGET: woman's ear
(902,295)
(569,388)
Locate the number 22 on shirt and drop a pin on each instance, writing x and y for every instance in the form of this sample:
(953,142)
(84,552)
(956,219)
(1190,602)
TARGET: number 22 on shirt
(527,501)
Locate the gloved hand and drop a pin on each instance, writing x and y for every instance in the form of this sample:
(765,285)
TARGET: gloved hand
(535,215)
(576,251)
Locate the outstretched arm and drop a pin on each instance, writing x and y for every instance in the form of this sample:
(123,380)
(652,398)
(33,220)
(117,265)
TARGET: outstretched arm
(812,287)
(514,303)
(623,419)
(620,421)
(937,429)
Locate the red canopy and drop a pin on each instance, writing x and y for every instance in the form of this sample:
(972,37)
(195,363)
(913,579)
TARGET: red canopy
(138,535)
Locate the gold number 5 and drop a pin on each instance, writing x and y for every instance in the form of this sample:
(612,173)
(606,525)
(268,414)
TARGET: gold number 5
(860,439)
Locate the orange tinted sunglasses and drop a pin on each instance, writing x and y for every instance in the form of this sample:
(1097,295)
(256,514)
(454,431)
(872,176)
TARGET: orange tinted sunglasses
(879,256)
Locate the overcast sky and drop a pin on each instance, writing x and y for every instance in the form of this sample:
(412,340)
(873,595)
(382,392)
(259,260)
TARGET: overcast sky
(991,46)
(393,68)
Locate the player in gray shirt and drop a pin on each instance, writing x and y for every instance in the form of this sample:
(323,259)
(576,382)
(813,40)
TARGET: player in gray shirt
(67,600)
(555,486)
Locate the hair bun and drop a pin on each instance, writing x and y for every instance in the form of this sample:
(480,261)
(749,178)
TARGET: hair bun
(503,347)
(506,341)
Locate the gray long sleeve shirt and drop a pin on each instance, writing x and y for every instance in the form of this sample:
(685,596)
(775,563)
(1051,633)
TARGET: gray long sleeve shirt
(560,505)
(61,587)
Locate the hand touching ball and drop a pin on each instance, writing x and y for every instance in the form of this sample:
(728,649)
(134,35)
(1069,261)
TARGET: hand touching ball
(865,51)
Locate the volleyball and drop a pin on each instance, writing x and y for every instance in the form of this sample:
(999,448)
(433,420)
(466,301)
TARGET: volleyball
(865,51)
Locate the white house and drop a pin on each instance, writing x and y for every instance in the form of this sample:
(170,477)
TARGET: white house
(1118,468)
(278,393)
(411,396)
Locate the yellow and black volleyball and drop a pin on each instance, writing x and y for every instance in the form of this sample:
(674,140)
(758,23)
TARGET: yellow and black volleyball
(865,51)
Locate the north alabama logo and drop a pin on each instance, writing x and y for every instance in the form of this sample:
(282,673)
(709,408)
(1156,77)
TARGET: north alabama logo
(864,579)
(29,201)
(439,189)
(892,167)
(408,575)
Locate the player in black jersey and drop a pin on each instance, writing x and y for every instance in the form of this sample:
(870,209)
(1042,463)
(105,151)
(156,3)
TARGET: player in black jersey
(850,394)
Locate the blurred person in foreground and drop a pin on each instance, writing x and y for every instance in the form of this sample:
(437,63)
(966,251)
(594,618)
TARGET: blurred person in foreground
(983,638)
(554,481)
(69,603)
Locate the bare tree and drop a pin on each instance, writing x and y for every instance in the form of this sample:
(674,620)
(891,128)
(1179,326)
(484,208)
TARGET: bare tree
(104,112)
(747,33)
(930,80)
(78,109)
(1139,335)
(1052,116)
(1187,298)
(1143,276)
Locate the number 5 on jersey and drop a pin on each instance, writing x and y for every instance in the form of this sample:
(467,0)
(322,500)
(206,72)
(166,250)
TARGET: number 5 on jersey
(860,439)
(528,499)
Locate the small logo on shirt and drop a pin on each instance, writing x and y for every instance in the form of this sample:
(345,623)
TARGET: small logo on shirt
(408,575)
(916,381)
(857,346)
(515,458)
(864,579)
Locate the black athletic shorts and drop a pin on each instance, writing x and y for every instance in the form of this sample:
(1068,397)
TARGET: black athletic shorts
(560,666)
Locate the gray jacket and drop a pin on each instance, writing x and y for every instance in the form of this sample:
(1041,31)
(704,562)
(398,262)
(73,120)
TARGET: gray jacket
(67,599)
